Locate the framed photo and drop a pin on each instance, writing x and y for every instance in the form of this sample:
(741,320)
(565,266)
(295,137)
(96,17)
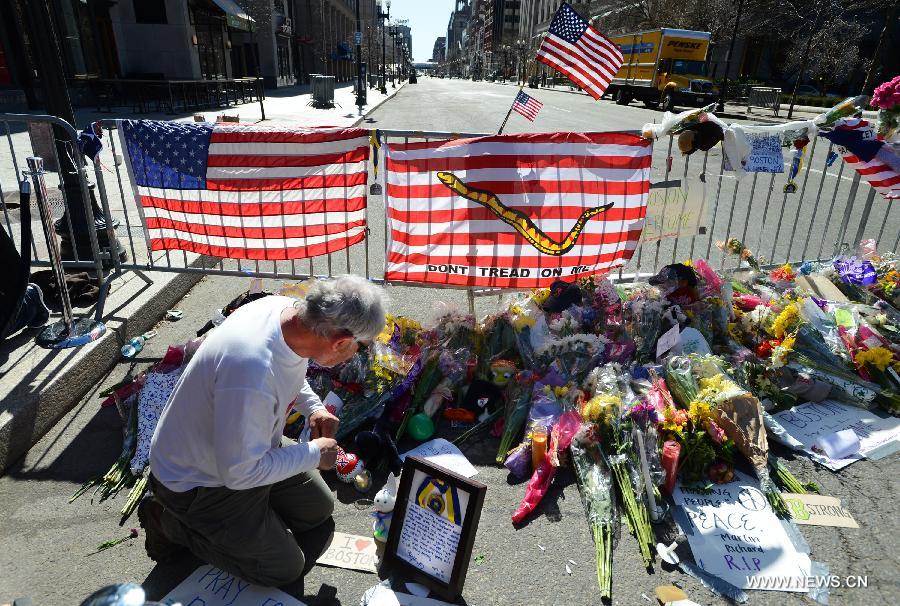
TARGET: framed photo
(433,527)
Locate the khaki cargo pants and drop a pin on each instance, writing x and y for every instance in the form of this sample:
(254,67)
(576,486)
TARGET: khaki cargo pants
(269,535)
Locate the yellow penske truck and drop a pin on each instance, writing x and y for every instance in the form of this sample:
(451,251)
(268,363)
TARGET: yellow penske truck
(663,68)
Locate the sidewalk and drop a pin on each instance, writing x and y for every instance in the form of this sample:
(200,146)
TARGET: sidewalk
(38,386)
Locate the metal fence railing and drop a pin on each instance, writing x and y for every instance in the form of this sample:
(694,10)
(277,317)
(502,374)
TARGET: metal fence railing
(830,210)
(764,97)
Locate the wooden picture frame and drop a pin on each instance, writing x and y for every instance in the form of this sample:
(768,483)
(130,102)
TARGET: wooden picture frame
(454,496)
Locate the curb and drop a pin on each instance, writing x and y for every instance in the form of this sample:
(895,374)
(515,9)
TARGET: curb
(377,105)
(31,414)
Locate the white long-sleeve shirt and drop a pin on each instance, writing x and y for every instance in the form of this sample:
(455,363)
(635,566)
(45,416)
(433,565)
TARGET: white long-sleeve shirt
(222,424)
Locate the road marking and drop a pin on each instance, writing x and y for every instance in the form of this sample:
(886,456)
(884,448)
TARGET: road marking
(815,170)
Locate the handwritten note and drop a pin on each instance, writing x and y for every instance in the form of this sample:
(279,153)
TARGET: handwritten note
(429,542)
(675,211)
(765,154)
(441,452)
(210,586)
(350,551)
(736,535)
(805,423)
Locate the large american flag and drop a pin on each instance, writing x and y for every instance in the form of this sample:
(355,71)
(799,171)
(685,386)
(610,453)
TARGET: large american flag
(574,48)
(441,236)
(247,191)
(875,161)
(527,106)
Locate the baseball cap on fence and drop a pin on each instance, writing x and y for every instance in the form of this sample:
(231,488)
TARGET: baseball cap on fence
(674,272)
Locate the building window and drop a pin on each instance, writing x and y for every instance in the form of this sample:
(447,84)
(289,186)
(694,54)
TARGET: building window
(150,11)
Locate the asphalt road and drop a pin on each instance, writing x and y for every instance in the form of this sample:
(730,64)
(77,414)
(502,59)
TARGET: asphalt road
(45,542)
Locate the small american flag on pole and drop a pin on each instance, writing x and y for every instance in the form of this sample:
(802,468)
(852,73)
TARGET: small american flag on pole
(248,191)
(527,106)
(574,48)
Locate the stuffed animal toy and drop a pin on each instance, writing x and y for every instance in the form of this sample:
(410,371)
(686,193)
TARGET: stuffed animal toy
(703,136)
(375,444)
(384,502)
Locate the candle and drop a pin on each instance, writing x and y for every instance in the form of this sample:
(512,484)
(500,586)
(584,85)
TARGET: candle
(670,454)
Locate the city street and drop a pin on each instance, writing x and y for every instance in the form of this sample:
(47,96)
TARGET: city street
(46,544)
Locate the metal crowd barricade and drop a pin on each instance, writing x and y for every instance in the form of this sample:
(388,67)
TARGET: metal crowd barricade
(33,135)
(764,97)
(830,211)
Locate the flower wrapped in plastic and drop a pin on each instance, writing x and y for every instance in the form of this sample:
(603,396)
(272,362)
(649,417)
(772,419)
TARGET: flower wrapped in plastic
(595,485)
(643,318)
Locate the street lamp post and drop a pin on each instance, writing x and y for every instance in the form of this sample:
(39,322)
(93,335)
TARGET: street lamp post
(382,17)
(360,87)
(393,34)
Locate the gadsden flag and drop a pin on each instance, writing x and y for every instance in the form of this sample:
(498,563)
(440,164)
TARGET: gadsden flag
(515,211)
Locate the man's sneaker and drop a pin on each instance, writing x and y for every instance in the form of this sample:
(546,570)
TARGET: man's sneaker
(42,313)
(159,547)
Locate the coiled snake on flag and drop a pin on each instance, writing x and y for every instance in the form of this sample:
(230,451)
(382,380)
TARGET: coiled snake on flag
(519,220)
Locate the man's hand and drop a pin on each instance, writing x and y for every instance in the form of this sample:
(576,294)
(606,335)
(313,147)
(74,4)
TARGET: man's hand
(327,452)
(323,424)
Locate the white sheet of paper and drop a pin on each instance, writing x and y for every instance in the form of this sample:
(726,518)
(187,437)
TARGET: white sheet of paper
(806,422)
(441,452)
(669,340)
(736,535)
(384,596)
(209,586)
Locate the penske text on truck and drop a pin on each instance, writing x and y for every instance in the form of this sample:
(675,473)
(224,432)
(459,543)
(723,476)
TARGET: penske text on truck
(663,68)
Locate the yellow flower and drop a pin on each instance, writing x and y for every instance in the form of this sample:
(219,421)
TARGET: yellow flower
(540,295)
(519,318)
(385,335)
(786,321)
(699,412)
(879,357)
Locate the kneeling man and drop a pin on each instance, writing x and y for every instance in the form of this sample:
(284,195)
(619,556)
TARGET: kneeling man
(223,485)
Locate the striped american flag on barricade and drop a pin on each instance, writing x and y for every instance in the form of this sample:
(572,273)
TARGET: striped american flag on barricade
(247,191)
(876,161)
(515,211)
(580,52)
(527,106)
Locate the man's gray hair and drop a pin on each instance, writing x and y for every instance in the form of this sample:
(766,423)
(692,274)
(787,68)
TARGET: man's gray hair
(346,304)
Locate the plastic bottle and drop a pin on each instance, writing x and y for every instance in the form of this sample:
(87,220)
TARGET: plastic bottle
(130,349)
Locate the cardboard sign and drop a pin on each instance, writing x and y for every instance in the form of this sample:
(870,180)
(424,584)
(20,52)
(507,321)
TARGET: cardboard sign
(674,209)
(445,454)
(805,423)
(818,510)
(385,596)
(209,586)
(433,527)
(350,551)
(736,534)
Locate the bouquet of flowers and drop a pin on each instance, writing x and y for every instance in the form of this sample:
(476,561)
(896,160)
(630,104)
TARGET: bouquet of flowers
(608,407)
(596,488)
(736,247)
(887,99)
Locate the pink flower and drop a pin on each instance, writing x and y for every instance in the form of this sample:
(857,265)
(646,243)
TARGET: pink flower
(887,95)
(715,432)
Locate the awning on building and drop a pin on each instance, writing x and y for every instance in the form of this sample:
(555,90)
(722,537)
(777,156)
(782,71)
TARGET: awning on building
(235,16)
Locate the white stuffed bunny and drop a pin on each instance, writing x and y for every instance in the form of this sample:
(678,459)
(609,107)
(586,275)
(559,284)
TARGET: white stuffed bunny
(384,508)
